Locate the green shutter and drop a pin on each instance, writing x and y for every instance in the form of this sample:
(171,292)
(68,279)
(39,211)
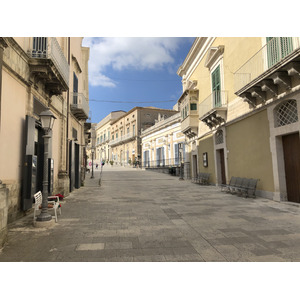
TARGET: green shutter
(278,48)
(216,87)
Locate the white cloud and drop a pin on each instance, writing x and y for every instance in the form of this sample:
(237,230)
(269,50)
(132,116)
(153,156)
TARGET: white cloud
(127,53)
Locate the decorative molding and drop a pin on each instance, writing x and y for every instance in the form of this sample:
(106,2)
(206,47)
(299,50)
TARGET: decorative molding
(212,55)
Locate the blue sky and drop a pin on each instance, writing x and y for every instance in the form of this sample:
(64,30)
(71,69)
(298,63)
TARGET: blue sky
(136,70)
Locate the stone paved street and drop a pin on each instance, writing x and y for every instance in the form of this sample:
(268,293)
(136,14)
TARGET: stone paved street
(138,215)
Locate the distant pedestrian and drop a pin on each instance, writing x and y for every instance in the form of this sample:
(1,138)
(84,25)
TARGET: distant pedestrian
(103,163)
(96,166)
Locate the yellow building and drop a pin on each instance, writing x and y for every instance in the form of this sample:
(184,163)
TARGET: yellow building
(240,107)
(37,73)
(102,136)
(125,133)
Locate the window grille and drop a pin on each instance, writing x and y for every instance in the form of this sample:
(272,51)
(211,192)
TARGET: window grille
(286,113)
(219,137)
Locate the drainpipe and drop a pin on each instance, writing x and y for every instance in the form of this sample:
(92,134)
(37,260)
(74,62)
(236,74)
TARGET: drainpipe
(3,45)
(68,111)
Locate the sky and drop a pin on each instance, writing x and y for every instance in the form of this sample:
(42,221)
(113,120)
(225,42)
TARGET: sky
(136,71)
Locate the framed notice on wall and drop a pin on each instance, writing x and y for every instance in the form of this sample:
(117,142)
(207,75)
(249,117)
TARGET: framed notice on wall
(205,162)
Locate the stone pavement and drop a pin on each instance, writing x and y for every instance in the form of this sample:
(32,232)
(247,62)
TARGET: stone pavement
(138,215)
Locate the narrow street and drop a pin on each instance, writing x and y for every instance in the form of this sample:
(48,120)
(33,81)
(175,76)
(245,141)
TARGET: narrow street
(138,215)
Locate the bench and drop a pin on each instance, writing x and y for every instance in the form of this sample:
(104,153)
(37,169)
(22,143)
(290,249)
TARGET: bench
(241,186)
(202,178)
(52,204)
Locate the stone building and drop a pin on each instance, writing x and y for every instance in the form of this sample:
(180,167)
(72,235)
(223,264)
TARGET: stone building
(125,133)
(102,129)
(240,110)
(37,73)
(161,144)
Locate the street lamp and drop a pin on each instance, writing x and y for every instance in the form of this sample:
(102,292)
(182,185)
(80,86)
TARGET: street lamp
(92,150)
(47,120)
(180,147)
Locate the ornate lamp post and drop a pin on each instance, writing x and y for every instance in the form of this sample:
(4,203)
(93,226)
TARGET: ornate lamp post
(47,120)
(92,150)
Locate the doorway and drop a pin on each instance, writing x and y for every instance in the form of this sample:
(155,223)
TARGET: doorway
(195,168)
(221,166)
(291,152)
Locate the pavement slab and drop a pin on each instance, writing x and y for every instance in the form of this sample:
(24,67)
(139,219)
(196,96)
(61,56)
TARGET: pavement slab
(145,216)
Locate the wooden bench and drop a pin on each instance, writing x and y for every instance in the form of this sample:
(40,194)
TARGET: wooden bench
(52,204)
(241,186)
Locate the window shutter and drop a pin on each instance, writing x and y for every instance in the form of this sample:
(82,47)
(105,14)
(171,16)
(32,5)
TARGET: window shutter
(216,87)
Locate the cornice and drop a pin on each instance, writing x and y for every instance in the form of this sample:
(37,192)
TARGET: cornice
(196,53)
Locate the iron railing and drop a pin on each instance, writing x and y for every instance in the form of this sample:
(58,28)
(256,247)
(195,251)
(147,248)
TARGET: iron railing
(268,56)
(170,162)
(122,138)
(80,102)
(214,100)
(48,48)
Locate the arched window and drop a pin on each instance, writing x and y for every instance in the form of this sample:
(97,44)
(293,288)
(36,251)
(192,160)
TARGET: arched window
(286,113)
(219,137)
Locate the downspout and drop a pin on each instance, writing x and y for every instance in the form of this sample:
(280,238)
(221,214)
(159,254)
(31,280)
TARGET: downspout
(3,45)
(68,112)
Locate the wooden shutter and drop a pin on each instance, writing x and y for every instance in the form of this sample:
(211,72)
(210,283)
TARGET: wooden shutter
(216,87)
(75,89)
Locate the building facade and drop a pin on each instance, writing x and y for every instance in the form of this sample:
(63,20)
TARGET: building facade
(126,132)
(239,110)
(37,73)
(103,152)
(161,143)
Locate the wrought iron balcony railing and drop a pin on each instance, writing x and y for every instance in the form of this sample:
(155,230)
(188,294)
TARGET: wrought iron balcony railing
(80,106)
(217,99)
(122,138)
(267,58)
(48,48)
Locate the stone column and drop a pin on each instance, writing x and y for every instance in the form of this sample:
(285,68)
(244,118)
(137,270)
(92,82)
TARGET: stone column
(3,213)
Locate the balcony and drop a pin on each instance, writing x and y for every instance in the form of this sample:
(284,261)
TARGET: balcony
(213,110)
(269,72)
(122,139)
(80,106)
(48,65)
(189,125)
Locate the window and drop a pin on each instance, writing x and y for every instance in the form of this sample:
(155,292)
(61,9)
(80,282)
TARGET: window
(104,137)
(116,135)
(278,48)
(286,113)
(112,137)
(133,129)
(216,87)
(219,138)
(127,130)
(193,106)
(75,89)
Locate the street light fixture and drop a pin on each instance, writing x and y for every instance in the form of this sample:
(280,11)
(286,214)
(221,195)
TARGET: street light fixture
(92,150)
(47,120)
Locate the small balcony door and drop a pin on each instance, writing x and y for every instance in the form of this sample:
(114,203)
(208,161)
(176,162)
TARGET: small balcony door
(278,48)
(75,89)
(216,87)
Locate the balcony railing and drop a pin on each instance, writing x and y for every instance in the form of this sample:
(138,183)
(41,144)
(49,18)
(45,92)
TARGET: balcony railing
(48,48)
(217,99)
(122,138)
(266,58)
(80,106)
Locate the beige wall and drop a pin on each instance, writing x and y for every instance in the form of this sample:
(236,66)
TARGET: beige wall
(248,143)
(207,145)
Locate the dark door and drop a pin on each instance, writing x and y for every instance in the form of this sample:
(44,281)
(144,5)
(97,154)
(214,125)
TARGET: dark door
(77,166)
(291,150)
(222,166)
(195,169)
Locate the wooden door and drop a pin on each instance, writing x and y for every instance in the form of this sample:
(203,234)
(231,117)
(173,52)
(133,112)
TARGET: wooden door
(222,166)
(291,150)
